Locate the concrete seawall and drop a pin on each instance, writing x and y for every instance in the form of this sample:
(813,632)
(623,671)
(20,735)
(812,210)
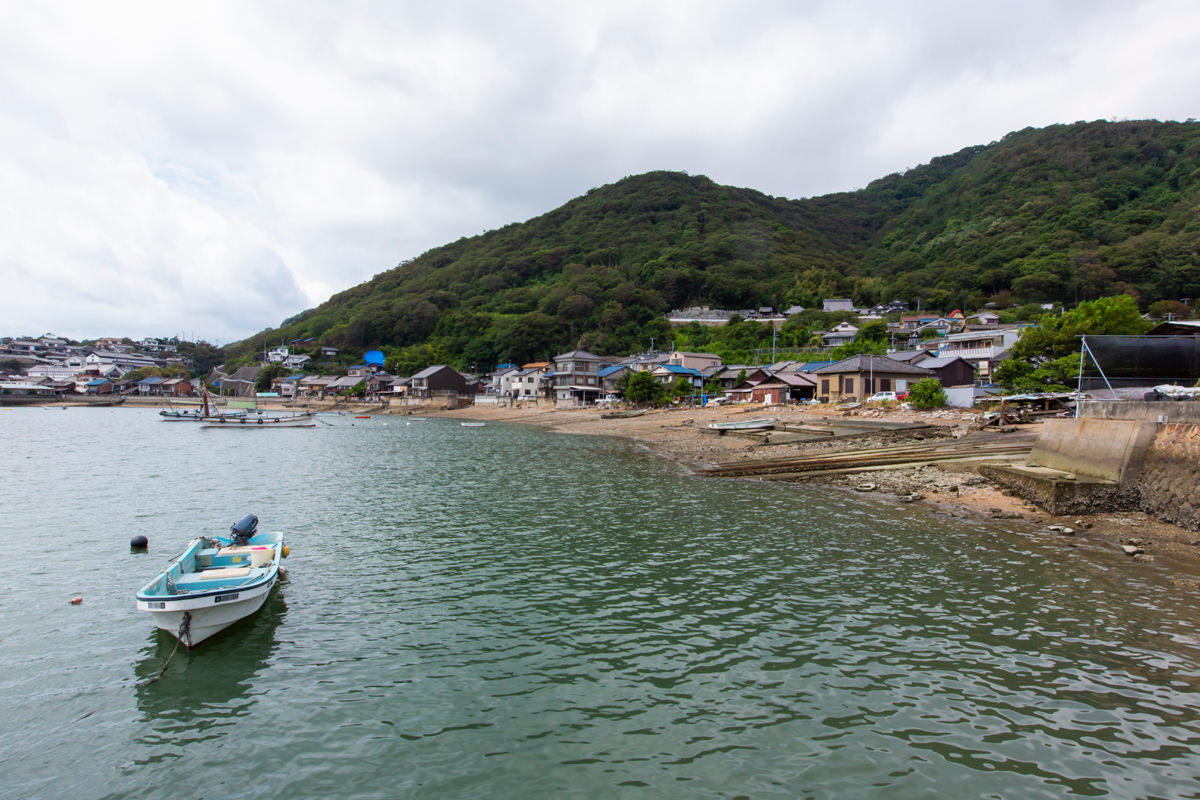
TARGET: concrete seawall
(1107,464)
(1169,484)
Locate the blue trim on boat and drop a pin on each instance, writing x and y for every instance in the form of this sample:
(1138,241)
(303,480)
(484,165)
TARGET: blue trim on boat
(207,593)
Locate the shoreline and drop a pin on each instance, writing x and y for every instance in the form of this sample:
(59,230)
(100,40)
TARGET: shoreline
(953,488)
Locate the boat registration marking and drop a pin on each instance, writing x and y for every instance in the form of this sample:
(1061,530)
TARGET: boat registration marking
(156,604)
(221,598)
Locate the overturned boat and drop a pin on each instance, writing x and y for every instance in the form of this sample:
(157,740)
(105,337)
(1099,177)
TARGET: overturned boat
(214,582)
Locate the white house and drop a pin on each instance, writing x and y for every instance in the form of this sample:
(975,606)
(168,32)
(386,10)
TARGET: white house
(524,382)
(296,360)
(982,349)
(839,334)
(277,355)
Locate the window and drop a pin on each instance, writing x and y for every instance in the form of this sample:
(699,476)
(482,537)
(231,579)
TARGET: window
(885,384)
(849,387)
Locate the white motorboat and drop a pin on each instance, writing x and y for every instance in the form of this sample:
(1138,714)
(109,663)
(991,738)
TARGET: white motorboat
(214,582)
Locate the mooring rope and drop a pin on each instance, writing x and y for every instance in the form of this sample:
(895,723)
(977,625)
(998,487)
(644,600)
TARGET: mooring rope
(185,629)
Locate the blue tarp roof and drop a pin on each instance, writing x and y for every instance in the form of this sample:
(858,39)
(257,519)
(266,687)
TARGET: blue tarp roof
(151,381)
(96,382)
(809,366)
(604,373)
(678,370)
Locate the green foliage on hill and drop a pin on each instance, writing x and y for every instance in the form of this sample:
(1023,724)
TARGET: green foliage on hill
(1060,214)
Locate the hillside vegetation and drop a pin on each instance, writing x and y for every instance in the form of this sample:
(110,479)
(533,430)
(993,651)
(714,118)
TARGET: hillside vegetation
(1065,213)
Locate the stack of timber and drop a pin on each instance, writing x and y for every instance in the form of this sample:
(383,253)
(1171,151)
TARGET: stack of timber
(846,461)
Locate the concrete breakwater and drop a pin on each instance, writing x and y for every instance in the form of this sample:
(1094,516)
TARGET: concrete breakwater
(1114,461)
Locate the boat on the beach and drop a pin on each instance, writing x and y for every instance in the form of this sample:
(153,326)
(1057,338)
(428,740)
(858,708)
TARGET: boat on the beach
(472,424)
(622,414)
(362,416)
(744,424)
(214,582)
(258,423)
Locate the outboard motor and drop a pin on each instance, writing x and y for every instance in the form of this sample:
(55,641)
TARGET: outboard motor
(241,532)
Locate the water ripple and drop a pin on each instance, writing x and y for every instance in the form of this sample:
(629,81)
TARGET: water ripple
(502,612)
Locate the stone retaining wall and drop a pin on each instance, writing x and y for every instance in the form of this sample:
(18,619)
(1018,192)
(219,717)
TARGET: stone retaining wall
(1170,478)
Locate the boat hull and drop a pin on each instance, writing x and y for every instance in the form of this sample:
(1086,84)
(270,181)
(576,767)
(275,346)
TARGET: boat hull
(208,615)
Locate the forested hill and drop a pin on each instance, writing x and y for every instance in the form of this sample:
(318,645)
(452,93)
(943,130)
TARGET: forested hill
(1064,213)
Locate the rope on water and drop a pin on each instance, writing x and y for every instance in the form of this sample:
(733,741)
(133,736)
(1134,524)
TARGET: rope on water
(185,629)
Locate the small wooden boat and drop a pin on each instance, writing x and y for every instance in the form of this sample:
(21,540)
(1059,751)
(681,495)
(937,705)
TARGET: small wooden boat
(744,425)
(622,414)
(214,582)
(472,424)
(362,416)
(258,423)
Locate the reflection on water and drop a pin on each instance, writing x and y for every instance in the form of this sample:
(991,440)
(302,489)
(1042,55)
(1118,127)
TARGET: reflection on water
(214,679)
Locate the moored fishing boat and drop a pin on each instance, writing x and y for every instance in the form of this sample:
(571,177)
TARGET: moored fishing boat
(204,413)
(257,422)
(472,424)
(214,582)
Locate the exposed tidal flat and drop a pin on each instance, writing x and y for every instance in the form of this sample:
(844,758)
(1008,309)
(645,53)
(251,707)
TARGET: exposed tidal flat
(508,612)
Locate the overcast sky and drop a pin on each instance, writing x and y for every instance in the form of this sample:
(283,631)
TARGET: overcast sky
(209,169)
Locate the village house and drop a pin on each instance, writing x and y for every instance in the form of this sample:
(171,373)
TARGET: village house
(314,386)
(984,349)
(438,379)
(178,387)
(667,374)
(696,361)
(379,386)
(296,361)
(859,377)
(837,304)
(840,334)
(524,382)
(949,370)
(151,387)
(783,387)
(577,376)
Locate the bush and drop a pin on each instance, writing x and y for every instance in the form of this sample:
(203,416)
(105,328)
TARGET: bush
(927,393)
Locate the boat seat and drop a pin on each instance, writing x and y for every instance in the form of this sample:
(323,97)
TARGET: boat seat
(243,550)
(224,572)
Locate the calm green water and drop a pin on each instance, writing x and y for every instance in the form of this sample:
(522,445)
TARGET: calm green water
(509,613)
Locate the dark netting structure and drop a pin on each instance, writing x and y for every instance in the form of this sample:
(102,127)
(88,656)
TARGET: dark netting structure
(1129,361)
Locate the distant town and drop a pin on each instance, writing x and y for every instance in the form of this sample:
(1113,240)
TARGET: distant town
(959,351)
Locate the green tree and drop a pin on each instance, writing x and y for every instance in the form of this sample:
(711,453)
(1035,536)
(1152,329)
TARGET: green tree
(680,387)
(1055,337)
(641,387)
(262,383)
(927,393)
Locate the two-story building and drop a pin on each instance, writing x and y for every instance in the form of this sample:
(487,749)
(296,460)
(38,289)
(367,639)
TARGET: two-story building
(438,379)
(983,349)
(577,377)
(696,361)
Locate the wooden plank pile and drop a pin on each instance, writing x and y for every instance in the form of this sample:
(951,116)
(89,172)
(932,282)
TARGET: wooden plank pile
(843,461)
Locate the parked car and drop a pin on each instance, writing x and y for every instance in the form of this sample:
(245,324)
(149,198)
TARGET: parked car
(883,397)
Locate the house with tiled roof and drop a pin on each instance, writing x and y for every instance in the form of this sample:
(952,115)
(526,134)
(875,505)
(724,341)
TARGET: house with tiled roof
(859,377)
